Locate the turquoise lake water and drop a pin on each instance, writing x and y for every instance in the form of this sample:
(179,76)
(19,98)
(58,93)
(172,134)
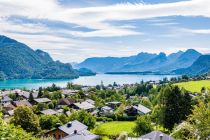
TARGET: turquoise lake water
(85,80)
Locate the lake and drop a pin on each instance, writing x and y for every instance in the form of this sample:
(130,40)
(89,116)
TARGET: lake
(84,80)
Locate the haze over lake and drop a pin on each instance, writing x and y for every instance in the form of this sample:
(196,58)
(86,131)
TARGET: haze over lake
(85,80)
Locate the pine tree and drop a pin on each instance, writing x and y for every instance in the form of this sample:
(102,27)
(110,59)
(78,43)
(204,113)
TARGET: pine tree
(31,97)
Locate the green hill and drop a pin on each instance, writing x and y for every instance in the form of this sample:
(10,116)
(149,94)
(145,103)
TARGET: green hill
(195,86)
(18,61)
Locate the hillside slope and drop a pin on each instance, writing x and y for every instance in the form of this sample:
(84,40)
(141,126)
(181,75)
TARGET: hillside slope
(18,61)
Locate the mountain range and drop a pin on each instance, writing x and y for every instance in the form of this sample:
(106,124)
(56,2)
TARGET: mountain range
(143,62)
(200,66)
(18,61)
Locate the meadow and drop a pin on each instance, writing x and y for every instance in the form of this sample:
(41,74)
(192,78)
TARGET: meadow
(194,86)
(114,128)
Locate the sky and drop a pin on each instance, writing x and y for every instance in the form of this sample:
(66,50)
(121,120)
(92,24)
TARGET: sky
(73,30)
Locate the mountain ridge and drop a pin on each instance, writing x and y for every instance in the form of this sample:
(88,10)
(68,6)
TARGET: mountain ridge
(18,61)
(142,62)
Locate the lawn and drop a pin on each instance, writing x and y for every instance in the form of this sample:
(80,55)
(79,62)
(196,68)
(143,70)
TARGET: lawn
(195,86)
(114,128)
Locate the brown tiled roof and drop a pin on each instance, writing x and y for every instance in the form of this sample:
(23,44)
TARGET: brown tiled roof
(66,101)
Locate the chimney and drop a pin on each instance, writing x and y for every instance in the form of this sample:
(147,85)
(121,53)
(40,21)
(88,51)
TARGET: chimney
(161,136)
(69,124)
(75,131)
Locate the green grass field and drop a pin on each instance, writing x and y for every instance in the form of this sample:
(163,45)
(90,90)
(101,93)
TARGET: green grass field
(114,128)
(195,86)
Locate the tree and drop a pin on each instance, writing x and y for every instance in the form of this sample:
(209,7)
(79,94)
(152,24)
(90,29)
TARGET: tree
(31,97)
(24,117)
(11,132)
(56,95)
(176,105)
(63,118)
(197,124)
(42,106)
(40,92)
(69,85)
(200,119)
(49,121)
(84,117)
(143,125)
(13,96)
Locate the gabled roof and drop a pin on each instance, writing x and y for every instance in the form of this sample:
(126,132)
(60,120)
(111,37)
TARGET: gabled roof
(69,91)
(26,94)
(106,108)
(6,99)
(66,101)
(142,109)
(84,135)
(22,103)
(90,101)
(42,100)
(8,106)
(84,105)
(155,135)
(49,112)
(75,125)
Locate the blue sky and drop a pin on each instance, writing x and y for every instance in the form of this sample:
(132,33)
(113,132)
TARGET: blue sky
(73,30)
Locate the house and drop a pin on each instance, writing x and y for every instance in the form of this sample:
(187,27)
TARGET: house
(84,135)
(106,110)
(84,105)
(41,100)
(136,110)
(74,130)
(21,103)
(65,102)
(8,106)
(26,94)
(90,101)
(6,99)
(49,112)
(156,135)
(113,105)
(68,92)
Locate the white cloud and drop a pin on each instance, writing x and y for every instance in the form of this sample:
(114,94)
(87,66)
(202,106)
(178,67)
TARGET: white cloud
(97,17)
(196,31)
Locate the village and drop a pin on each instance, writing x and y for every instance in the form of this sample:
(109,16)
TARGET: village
(63,101)
(78,112)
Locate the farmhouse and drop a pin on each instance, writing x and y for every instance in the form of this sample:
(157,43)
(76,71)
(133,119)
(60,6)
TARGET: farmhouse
(49,112)
(136,110)
(74,130)
(84,105)
(41,100)
(65,102)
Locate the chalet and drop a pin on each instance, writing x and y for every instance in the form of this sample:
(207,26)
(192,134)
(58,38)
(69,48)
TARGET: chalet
(41,100)
(21,103)
(106,110)
(113,105)
(49,112)
(6,99)
(26,94)
(8,106)
(84,135)
(84,105)
(65,102)
(136,110)
(74,130)
(156,135)
(90,101)
(68,92)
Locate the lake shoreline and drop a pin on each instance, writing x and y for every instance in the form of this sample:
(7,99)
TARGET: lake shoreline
(106,79)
